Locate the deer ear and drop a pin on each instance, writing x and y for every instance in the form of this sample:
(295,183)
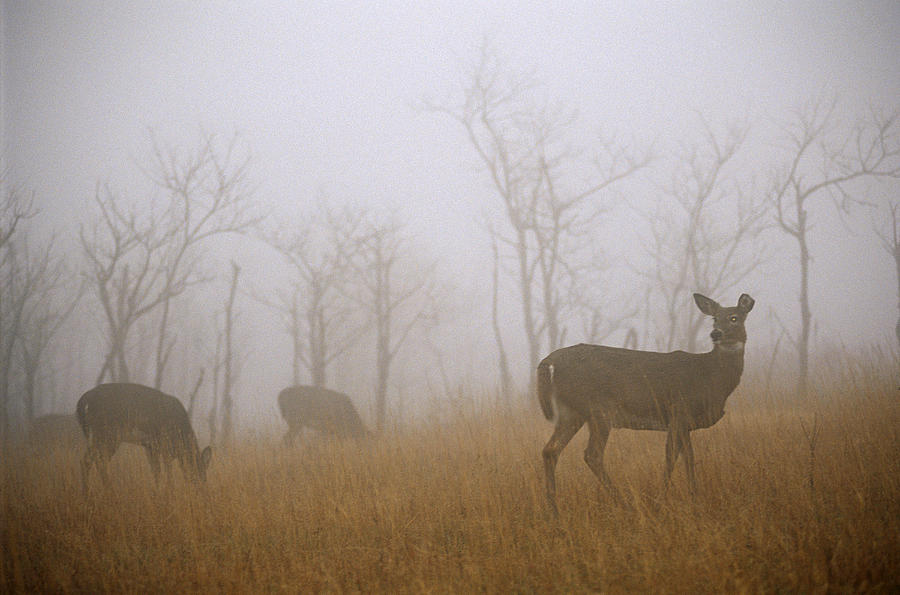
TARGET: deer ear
(745,303)
(706,305)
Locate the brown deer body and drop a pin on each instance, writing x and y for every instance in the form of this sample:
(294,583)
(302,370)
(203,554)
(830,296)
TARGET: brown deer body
(609,387)
(321,409)
(114,413)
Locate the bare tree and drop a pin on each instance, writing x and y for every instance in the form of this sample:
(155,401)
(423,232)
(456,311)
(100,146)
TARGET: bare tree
(566,219)
(140,260)
(120,249)
(51,301)
(35,301)
(823,161)
(392,286)
(522,143)
(506,384)
(705,233)
(15,291)
(889,233)
(14,210)
(228,376)
(318,314)
(212,419)
(208,195)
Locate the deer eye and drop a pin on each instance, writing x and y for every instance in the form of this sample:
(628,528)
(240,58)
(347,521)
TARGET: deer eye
(733,318)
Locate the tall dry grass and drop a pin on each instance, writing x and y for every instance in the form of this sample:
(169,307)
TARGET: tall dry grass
(796,497)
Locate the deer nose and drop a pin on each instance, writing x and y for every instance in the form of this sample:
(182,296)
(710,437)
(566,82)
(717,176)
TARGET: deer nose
(716,335)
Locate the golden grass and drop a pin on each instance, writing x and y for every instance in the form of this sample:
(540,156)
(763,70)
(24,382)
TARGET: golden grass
(458,507)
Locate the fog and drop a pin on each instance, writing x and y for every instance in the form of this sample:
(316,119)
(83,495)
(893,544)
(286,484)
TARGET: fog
(330,102)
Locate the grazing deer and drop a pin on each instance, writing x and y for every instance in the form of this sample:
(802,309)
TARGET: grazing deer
(114,413)
(321,409)
(608,387)
(54,431)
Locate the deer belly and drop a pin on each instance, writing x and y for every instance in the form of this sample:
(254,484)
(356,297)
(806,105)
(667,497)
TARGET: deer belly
(638,420)
(134,436)
(707,418)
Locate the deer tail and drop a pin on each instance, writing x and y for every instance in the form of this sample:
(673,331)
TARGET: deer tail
(545,388)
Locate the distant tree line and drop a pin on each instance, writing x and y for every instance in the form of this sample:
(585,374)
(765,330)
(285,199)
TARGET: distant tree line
(707,230)
(358,275)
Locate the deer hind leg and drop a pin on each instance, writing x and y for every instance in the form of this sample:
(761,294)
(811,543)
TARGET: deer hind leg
(568,423)
(689,463)
(678,440)
(87,461)
(593,454)
(153,456)
(97,454)
(291,435)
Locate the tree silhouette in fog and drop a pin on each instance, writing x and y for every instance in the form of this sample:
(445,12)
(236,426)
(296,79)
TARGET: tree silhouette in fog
(822,160)
(322,320)
(550,208)
(139,258)
(705,235)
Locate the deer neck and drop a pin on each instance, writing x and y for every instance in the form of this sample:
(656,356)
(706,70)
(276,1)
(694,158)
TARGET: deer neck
(721,375)
(728,359)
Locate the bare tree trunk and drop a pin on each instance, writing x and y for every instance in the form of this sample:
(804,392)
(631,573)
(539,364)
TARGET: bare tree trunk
(894,249)
(192,398)
(532,335)
(805,313)
(163,349)
(382,334)
(318,345)
(503,362)
(897,260)
(228,381)
(890,239)
(212,419)
(296,339)
(383,371)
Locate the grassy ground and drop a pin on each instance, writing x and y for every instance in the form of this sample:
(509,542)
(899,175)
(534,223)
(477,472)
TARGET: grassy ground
(798,497)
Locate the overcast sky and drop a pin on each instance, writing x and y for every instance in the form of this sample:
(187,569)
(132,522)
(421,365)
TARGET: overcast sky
(322,89)
(324,94)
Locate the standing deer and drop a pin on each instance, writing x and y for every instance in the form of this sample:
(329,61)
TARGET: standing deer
(321,409)
(609,387)
(114,413)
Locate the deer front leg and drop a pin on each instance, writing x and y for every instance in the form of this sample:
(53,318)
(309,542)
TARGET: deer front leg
(87,461)
(593,454)
(678,441)
(103,451)
(674,445)
(567,425)
(689,462)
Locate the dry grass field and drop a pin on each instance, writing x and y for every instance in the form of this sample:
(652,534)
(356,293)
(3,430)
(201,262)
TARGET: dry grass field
(795,497)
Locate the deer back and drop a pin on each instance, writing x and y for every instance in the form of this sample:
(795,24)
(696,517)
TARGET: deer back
(122,412)
(644,389)
(320,409)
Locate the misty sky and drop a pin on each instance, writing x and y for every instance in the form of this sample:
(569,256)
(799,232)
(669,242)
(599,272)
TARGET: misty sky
(325,93)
